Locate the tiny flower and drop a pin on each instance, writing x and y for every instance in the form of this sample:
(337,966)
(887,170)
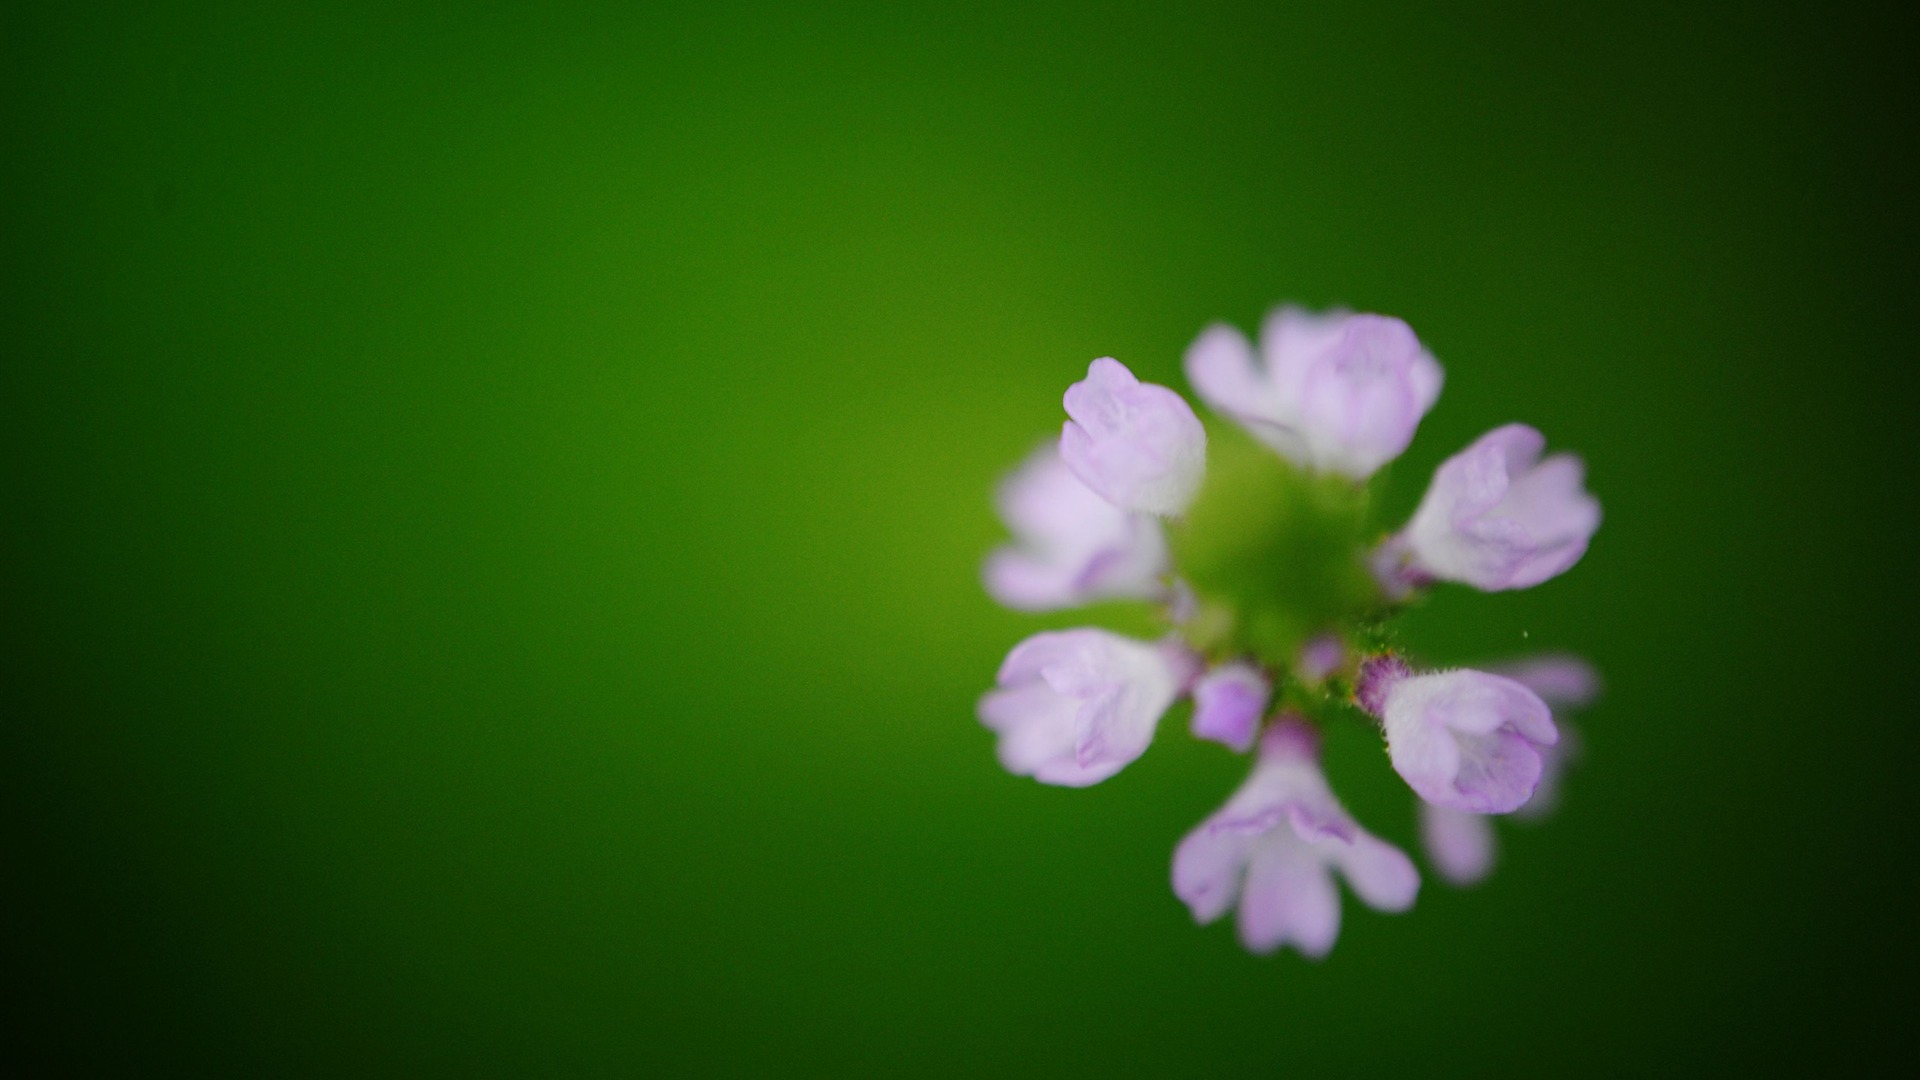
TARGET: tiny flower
(1228,703)
(1319,658)
(1461,739)
(1073,707)
(1070,545)
(1461,843)
(1497,517)
(1136,444)
(1336,392)
(1274,846)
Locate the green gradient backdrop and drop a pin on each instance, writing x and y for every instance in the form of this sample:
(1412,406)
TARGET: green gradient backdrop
(493,503)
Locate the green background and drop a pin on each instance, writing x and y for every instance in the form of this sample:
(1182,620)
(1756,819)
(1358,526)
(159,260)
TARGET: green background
(494,500)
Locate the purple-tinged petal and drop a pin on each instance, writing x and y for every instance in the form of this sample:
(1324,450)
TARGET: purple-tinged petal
(1220,365)
(1207,870)
(1460,843)
(1073,707)
(1136,444)
(1497,517)
(1071,546)
(1289,897)
(1362,399)
(1553,767)
(1562,680)
(1293,340)
(1380,874)
(1228,703)
(1466,739)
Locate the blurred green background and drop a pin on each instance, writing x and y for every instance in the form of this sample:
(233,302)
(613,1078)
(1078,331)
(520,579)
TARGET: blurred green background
(494,497)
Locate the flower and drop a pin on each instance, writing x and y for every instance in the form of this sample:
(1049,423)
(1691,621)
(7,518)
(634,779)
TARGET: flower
(1136,444)
(1497,517)
(1461,843)
(1070,546)
(1228,702)
(1073,707)
(1461,739)
(1336,392)
(1274,846)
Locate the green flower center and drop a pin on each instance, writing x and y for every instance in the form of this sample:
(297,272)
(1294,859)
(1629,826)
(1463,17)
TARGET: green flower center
(1274,555)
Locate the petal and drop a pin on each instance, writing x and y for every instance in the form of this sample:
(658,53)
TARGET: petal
(1289,896)
(1498,773)
(1554,508)
(1426,377)
(1123,687)
(1460,844)
(1035,725)
(1027,659)
(1554,761)
(1136,444)
(1025,582)
(1228,703)
(1292,339)
(1423,751)
(1220,365)
(1380,874)
(1207,868)
(1562,680)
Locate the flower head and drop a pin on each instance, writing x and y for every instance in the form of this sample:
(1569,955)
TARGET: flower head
(1070,545)
(1461,739)
(1274,847)
(1136,444)
(1073,707)
(1337,392)
(1275,587)
(1498,517)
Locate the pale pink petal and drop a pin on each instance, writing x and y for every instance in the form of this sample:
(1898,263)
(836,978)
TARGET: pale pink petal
(1289,898)
(1228,703)
(1460,843)
(1137,445)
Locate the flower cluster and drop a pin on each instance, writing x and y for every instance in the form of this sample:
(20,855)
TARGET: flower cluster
(1259,552)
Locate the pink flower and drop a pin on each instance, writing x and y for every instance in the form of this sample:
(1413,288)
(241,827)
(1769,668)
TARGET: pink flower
(1496,517)
(1336,392)
(1461,739)
(1273,850)
(1070,546)
(1136,444)
(1461,843)
(1073,707)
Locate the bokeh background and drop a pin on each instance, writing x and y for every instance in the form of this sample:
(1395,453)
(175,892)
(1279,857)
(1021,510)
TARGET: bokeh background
(494,496)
